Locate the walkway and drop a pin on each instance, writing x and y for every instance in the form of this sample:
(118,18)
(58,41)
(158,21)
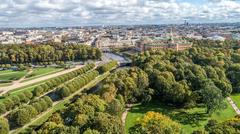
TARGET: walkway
(234,106)
(125,113)
(16,85)
(21,79)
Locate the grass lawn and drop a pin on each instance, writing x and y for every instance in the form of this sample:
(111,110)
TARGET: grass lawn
(191,119)
(5,71)
(236,99)
(5,84)
(39,72)
(7,75)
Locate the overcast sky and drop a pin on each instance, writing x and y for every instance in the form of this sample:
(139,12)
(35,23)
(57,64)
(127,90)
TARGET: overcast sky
(38,13)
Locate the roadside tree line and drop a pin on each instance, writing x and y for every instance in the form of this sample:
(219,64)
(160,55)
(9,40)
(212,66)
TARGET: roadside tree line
(13,101)
(76,84)
(107,67)
(51,84)
(25,113)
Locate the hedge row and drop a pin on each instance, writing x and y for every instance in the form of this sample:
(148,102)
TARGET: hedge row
(24,114)
(107,67)
(49,85)
(76,84)
(11,102)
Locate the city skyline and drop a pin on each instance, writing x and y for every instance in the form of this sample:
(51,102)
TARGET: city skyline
(62,13)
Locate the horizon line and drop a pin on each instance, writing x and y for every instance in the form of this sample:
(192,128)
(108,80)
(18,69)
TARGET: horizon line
(107,25)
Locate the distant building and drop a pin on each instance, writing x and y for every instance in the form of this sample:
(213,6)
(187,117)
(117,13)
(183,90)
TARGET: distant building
(171,42)
(195,36)
(217,38)
(108,43)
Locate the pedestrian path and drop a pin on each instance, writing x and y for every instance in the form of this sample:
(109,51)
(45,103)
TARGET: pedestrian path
(234,106)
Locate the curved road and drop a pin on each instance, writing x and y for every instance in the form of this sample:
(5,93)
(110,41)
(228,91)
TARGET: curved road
(16,85)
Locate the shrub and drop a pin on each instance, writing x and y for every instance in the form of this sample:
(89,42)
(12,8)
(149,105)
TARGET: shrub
(48,100)
(20,117)
(28,94)
(2,108)
(4,129)
(8,103)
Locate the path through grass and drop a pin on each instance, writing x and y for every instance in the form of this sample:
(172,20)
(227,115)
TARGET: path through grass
(39,72)
(9,75)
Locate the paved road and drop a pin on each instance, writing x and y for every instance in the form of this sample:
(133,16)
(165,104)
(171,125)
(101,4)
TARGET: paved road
(18,85)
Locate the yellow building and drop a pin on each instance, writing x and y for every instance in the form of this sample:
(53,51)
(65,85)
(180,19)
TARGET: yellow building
(170,42)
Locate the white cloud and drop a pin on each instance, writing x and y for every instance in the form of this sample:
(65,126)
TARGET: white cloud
(84,12)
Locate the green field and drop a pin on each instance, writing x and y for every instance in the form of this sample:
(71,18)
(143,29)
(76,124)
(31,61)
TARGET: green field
(236,99)
(8,75)
(6,71)
(39,72)
(191,119)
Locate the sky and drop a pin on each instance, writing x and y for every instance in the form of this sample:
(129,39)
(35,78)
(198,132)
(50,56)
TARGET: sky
(51,13)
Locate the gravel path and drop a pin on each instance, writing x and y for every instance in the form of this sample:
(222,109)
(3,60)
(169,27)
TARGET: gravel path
(125,113)
(16,85)
(234,106)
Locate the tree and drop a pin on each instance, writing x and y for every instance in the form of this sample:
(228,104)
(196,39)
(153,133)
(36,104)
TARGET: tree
(64,92)
(43,104)
(81,120)
(115,107)
(108,92)
(38,91)
(90,131)
(227,127)
(224,86)
(2,108)
(20,117)
(23,97)
(179,91)
(211,97)
(48,100)
(16,100)
(56,118)
(38,107)
(4,126)
(46,53)
(31,110)
(95,101)
(155,123)
(28,94)
(8,103)
(107,124)
(107,67)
